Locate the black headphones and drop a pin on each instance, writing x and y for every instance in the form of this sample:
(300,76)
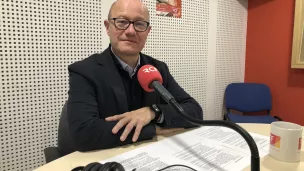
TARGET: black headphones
(109,166)
(114,166)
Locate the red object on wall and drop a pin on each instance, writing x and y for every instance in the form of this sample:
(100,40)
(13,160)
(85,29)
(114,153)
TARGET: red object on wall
(268,56)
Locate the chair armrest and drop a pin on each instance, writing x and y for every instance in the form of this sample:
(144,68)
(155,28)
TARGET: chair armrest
(51,153)
(226,117)
(278,118)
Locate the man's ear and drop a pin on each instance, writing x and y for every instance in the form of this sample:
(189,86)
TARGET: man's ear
(149,29)
(107,25)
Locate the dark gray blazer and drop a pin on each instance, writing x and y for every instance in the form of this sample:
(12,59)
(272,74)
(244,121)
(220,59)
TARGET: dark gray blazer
(97,91)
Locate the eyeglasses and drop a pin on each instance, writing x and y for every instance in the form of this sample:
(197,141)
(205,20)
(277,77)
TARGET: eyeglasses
(123,24)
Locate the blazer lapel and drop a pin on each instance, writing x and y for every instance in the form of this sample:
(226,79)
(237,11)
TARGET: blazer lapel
(119,91)
(114,79)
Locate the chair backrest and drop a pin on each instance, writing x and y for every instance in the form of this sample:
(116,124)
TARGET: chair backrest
(248,97)
(65,142)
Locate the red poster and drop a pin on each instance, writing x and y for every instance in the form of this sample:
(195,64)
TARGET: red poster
(170,8)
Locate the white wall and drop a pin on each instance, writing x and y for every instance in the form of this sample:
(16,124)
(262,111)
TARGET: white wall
(205,50)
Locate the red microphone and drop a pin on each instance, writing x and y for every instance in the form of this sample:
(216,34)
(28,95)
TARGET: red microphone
(146,75)
(150,79)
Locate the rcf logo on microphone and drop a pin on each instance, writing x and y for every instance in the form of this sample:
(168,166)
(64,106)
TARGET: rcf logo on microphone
(275,140)
(150,69)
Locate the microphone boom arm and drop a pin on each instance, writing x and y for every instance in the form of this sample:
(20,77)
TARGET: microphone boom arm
(255,158)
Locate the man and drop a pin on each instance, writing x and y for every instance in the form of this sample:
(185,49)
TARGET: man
(106,106)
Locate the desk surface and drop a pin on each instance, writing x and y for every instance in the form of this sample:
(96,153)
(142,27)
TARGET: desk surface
(75,159)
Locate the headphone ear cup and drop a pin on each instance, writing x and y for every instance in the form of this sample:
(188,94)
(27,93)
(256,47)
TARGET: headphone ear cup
(112,166)
(79,168)
(109,166)
(96,167)
(116,167)
(90,166)
(105,167)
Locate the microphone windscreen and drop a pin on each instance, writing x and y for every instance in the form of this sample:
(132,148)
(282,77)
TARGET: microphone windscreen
(146,75)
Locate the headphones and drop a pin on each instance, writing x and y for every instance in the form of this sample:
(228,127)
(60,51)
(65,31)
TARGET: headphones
(109,166)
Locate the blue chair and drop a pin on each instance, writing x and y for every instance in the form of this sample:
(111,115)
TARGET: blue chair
(248,97)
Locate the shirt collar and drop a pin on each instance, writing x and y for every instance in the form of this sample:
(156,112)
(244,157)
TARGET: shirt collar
(127,67)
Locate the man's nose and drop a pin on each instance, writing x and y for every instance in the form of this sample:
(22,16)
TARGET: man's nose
(130,30)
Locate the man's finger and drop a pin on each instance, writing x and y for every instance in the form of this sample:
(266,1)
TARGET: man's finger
(114,118)
(120,124)
(127,130)
(139,126)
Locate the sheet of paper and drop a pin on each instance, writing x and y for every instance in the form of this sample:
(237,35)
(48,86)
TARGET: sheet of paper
(204,149)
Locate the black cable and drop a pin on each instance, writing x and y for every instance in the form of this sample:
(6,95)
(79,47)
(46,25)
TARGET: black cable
(177,165)
(255,158)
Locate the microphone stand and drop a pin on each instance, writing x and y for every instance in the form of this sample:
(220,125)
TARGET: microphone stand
(255,158)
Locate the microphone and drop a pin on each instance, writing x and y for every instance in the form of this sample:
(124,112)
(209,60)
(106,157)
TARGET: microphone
(150,79)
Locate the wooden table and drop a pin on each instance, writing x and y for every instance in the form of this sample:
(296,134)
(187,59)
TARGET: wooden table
(75,159)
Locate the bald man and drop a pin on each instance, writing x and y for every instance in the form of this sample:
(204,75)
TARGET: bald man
(107,107)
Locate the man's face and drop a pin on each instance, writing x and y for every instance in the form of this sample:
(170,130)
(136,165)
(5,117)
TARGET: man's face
(127,42)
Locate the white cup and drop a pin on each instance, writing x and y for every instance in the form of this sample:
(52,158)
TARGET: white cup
(285,141)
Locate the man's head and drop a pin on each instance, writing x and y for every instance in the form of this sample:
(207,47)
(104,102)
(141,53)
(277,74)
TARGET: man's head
(131,40)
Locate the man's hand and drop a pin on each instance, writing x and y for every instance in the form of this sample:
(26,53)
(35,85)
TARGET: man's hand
(138,118)
(163,131)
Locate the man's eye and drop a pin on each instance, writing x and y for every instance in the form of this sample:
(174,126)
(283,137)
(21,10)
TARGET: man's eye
(140,24)
(122,22)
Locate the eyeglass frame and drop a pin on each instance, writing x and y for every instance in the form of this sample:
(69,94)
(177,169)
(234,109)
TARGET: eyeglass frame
(131,22)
